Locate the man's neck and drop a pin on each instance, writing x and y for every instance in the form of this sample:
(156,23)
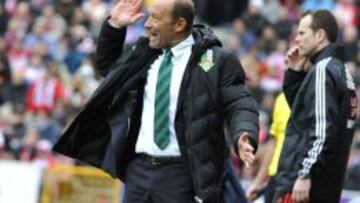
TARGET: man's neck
(179,39)
(321,47)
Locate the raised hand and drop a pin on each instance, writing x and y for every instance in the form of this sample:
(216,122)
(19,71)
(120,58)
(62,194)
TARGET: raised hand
(126,12)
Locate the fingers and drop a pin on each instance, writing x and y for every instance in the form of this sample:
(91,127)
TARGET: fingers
(137,3)
(295,196)
(137,8)
(126,12)
(303,196)
(249,193)
(130,2)
(292,55)
(246,155)
(306,197)
(244,143)
(293,51)
(248,159)
(244,136)
(248,148)
(117,5)
(134,3)
(137,17)
(301,190)
(251,196)
(246,151)
(253,193)
(300,197)
(294,60)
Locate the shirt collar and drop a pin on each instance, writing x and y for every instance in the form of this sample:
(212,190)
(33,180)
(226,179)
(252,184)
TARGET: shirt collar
(179,49)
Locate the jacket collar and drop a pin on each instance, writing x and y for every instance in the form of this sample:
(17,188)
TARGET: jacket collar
(332,50)
(204,37)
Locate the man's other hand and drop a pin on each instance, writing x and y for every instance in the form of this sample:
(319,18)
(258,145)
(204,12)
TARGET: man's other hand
(301,190)
(253,192)
(246,151)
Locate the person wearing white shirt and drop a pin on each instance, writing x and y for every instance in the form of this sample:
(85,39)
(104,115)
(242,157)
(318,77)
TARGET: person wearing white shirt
(157,120)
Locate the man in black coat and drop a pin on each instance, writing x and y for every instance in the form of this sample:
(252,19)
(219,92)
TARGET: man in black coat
(157,120)
(323,108)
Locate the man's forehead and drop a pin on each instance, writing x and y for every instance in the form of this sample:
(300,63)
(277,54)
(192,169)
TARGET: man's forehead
(305,21)
(162,5)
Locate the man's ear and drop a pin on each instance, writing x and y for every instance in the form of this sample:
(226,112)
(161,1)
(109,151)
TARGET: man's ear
(181,25)
(321,35)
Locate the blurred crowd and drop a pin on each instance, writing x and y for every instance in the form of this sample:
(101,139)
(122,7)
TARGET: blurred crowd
(47,72)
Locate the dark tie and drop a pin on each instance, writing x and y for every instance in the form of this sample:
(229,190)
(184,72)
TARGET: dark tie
(162,102)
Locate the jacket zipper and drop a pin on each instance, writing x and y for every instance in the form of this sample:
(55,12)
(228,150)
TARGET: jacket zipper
(192,66)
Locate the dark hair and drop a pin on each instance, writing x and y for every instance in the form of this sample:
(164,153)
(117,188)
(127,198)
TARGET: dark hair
(323,19)
(184,9)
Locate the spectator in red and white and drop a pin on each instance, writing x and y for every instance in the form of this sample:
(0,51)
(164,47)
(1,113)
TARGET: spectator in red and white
(275,64)
(45,92)
(18,57)
(35,70)
(345,12)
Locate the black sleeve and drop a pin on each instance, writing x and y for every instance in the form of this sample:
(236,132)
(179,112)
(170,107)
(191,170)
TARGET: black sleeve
(238,105)
(322,108)
(109,47)
(291,85)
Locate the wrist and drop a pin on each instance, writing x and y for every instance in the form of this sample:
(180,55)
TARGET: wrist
(114,23)
(258,181)
(303,176)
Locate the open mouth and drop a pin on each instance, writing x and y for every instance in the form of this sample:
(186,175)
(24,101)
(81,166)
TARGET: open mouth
(152,34)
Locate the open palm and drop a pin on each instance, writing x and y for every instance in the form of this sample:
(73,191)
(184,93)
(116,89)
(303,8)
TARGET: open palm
(126,12)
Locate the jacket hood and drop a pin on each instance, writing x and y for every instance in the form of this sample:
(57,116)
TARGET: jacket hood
(204,36)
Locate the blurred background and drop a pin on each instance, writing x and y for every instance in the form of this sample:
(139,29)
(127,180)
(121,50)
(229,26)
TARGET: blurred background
(47,75)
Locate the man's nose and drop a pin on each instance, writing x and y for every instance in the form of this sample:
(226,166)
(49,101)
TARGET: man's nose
(297,39)
(147,23)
